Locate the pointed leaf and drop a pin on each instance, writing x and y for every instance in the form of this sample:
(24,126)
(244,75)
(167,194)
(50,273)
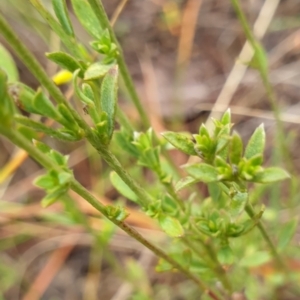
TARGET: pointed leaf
(44,106)
(184,182)
(255,259)
(180,141)
(46,182)
(237,203)
(287,233)
(122,187)
(8,65)
(226,118)
(225,255)
(66,61)
(108,95)
(171,226)
(53,196)
(236,149)
(87,17)
(96,71)
(72,45)
(256,144)
(270,175)
(203,172)
(61,12)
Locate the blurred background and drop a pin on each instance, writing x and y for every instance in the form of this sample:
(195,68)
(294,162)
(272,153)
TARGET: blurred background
(189,62)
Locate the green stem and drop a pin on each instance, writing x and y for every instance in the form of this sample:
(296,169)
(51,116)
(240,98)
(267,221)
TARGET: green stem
(104,21)
(219,271)
(47,163)
(213,262)
(37,70)
(251,213)
(174,195)
(112,161)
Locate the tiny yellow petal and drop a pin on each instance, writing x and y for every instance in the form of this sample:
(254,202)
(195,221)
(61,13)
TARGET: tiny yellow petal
(62,77)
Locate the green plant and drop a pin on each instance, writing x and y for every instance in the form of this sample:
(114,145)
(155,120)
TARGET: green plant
(208,233)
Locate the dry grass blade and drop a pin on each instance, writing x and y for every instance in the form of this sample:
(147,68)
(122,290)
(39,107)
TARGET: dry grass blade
(187,32)
(234,78)
(117,12)
(46,275)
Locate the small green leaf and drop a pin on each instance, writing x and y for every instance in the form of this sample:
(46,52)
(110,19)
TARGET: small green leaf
(61,12)
(59,158)
(171,226)
(226,118)
(87,17)
(88,91)
(202,172)
(65,61)
(72,45)
(255,259)
(42,147)
(237,203)
(64,178)
(286,233)
(163,266)
(79,93)
(6,105)
(46,182)
(22,96)
(256,144)
(184,182)
(116,212)
(122,187)
(8,65)
(180,141)
(96,71)
(53,196)
(44,106)
(225,255)
(40,127)
(236,149)
(124,141)
(270,175)
(108,97)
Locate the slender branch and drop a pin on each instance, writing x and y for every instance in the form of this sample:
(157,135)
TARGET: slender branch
(260,226)
(47,163)
(108,156)
(80,190)
(104,21)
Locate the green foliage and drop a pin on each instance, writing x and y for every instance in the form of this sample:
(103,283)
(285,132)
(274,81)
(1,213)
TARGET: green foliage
(207,230)
(61,12)
(87,17)
(8,65)
(66,61)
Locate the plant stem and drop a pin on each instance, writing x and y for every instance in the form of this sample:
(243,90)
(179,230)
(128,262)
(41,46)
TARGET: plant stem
(80,190)
(104,21)
(219,271)
(144,197)
(250,211)
(15,137)
(213,263)
(37,70)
